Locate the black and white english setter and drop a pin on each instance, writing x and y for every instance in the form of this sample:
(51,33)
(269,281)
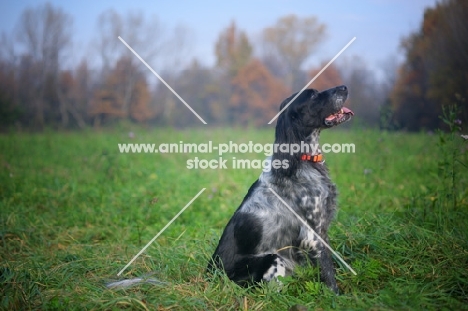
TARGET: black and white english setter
(264,239)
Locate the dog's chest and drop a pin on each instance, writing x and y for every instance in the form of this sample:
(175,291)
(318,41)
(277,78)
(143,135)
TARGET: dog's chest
(315,216)
(316,197)
(315,210)
(317,201)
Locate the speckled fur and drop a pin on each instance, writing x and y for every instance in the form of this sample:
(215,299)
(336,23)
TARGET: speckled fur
(264,239)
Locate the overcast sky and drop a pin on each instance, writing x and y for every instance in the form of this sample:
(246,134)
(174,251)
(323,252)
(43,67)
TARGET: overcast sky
(378,25)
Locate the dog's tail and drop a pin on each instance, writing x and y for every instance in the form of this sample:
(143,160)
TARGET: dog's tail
(131,282)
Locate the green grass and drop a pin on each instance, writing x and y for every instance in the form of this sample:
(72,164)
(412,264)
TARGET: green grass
(74,211)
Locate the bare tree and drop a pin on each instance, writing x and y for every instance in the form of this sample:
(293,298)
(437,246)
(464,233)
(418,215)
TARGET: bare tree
(45,33)
(10,111)
(148,38)
(7,49)
(144,37)
(364,90)
(74,93)
(289,43)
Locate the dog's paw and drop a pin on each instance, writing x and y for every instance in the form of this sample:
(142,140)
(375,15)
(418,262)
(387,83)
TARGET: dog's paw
(278,268)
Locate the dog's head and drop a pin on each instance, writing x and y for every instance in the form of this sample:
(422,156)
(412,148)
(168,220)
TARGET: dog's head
(315,110)
(303,119)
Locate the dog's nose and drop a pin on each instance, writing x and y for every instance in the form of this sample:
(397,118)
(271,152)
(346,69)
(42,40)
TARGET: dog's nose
(342,88)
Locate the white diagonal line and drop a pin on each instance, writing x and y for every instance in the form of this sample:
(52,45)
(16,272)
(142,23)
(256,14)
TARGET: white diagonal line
(313,79)
(316,235)
(160,232)
(161,79)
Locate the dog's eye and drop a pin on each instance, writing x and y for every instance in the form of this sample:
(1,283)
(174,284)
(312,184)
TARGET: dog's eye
(313,95)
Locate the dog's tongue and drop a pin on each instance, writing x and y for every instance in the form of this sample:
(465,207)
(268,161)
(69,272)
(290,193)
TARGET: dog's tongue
(346,111)
(343,110)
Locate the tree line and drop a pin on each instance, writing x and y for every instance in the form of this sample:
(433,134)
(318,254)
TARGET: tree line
(434,74)
(40,86)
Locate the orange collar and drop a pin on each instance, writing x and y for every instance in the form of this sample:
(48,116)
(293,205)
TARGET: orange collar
(312,158)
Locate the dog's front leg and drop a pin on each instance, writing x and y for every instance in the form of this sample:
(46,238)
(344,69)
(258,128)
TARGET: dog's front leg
(327,270)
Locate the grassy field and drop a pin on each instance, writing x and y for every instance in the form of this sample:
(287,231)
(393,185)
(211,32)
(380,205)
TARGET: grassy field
(74,211)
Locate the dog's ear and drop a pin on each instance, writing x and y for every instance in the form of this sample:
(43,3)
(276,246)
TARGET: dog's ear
(293,127)
(286,134)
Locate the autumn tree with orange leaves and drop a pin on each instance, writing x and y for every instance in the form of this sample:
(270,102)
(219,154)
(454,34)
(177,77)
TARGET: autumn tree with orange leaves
(124,94)
(435,71)
(289,43)
(233,50)
(329,78)
(256,95)
(253,93)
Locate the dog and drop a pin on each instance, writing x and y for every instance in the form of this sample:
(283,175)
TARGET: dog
(264,239)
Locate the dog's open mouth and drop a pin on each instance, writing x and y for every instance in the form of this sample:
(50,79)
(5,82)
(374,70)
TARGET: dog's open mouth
(343,115)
